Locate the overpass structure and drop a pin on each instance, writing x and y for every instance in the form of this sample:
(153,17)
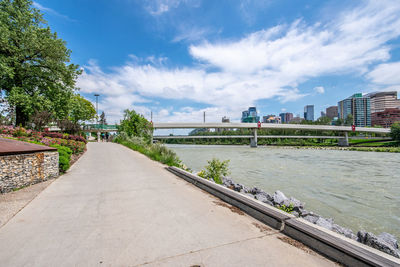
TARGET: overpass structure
(343,139)
(99,128)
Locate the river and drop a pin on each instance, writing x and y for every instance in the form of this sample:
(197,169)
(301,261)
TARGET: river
(359,190)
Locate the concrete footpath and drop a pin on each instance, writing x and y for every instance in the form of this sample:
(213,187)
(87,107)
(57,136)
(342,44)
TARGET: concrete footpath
(115,207)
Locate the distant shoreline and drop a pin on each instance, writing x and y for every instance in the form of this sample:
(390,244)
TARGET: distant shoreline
(350,148)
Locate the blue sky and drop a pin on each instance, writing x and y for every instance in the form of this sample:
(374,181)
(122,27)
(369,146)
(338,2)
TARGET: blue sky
(178,58)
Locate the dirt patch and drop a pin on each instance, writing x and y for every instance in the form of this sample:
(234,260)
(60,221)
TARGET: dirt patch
(262,228)
(297,244)
(232,208)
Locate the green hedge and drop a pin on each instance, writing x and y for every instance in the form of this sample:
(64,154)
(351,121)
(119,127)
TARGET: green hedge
(64,157)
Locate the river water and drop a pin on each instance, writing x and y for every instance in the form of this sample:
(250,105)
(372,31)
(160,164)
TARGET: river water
(359,190)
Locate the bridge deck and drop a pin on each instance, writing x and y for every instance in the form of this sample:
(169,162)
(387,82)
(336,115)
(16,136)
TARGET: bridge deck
(268,126)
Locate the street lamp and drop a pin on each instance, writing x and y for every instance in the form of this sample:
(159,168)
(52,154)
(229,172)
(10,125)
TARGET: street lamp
(97,116)
(97,107)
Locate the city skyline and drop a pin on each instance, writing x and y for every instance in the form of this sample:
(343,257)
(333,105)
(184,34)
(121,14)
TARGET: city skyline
(181,58)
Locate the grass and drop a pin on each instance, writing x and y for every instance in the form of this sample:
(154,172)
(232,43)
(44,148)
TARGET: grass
(157,152)
(19,188)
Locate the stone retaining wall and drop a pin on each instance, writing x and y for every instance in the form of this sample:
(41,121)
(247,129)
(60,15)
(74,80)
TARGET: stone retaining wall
(21,170)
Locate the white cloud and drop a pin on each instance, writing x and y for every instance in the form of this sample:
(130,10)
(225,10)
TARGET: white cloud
(159,7)
(386,74)
(319,89)
(51,11)
(267,64)
(191,34)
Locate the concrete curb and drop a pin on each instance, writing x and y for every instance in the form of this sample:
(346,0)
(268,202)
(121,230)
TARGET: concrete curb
(331,244)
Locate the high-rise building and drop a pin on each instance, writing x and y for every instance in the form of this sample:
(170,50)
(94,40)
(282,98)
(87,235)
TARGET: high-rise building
(271,119)
(286,117)
(332,112)
(225,119)
(383,100)
(359,107)
(386,118)
(250,115)
(383,108)
(309,112)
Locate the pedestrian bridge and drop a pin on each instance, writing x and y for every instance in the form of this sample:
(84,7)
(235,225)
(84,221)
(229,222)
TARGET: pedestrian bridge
(343,140)
(99,128)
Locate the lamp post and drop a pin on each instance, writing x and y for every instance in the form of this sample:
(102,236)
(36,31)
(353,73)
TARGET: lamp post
(97,116)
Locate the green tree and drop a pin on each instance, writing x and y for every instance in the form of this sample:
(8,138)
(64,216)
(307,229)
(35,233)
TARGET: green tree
(323,121)
(395,131)
(103,118)
(81,109)
(34,70)
(349,120)
(135,124)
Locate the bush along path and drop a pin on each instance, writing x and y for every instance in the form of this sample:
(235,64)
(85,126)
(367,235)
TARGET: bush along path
(384,242)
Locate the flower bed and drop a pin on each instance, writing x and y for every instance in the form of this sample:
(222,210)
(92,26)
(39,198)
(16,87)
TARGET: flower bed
(65,144)
(22,132)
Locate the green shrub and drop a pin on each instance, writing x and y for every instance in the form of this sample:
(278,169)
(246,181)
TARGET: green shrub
(157,152)
(64,157)
(287,209)
(215,170)
(395,131)
(63,163)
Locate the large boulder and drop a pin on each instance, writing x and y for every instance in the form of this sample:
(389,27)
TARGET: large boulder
(326,223)
(227,181)
(264,197)
(373,241)
(312,217)
(238,187)
(344,231)
(279,198)
(296,204)
(390,239)
(255,191)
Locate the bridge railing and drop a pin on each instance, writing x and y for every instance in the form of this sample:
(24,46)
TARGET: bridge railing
(99,127)
(270,126)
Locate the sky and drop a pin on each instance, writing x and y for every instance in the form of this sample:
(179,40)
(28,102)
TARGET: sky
(180,58)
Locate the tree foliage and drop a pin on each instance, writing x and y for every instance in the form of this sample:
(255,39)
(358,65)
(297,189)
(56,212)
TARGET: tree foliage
(215,170)
(135,124)
(349,120)
(34,69)
(103,118)
(395,131)
(81,109)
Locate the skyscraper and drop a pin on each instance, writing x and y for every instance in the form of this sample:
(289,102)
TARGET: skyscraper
(383,100)
(286,117)
(309,112)
(250,115)
(359,107)
(332,112)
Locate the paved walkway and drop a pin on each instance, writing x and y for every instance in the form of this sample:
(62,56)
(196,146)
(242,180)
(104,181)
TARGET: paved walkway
(115,207)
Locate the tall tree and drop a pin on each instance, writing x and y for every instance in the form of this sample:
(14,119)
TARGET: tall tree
(135,124)
(103,118)
(81,109)
(34,69)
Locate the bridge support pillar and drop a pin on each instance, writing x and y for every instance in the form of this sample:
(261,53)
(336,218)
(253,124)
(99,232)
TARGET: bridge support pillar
(344,141)
(98,136)
(253,140)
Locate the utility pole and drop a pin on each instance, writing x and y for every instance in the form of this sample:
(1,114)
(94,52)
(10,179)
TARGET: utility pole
(97,106)
(97,116)
(204,117)
(151,116)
